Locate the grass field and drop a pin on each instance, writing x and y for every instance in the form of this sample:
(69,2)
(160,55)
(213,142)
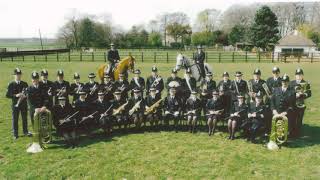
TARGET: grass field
(161,155)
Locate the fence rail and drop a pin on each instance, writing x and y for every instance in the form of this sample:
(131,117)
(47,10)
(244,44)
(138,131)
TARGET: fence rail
(169,56)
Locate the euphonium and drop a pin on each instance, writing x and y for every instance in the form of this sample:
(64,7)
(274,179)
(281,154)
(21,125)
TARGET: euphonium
(301,89)
(279,132)
(41,130)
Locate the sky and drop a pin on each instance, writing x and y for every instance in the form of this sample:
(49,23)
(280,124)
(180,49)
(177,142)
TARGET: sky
(24,18)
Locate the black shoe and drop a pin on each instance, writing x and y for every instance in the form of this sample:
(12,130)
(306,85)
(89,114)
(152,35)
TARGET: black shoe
(15,137)
(29,134)
(232,137)
(229,137)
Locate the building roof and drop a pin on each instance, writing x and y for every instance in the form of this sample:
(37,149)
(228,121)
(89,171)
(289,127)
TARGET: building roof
(295,39)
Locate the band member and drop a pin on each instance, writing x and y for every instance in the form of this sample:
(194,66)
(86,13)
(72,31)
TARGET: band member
(189,84)
(283,102)
(37,97)
(156,115)
(199,59)
(193,111)
(275,80)
(303,91)
(238,86)
(123,86)
(103,116)
(256,118)
(256,84)
(107,87)
(136,108)
(48,87)
(120,109)
(64,121)
(225,93)
(61,87)
(17,90)
(154,81)
(92,87)
(113,58)
(85,117)
(137,82)
(238,114)
(214,111)
(173,77)
(172,108)
(76,87)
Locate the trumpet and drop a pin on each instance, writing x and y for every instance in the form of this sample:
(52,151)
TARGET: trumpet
(21,98)
(215,112)
(79,88)
(156,81)
(60,92)
(93,89)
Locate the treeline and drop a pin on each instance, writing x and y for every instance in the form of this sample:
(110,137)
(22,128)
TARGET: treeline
(255,25)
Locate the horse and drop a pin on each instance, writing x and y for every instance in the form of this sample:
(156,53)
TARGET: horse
(123,66)
(184,63)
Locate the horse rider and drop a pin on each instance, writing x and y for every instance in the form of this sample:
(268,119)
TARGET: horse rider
(199,57)
(113,58)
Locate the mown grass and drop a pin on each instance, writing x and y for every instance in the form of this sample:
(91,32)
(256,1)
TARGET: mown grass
(161,155)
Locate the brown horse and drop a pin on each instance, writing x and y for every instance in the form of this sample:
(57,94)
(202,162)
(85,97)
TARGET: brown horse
(123,66)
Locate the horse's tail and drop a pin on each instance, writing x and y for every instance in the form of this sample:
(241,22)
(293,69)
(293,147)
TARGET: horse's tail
(101,71)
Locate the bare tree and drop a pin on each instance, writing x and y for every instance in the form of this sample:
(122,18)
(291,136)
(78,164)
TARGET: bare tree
(207,20)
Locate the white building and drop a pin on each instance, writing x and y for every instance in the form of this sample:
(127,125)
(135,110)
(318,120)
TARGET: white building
(295,43)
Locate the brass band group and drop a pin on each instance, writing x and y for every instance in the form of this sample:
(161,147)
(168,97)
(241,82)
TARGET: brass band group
(273,108)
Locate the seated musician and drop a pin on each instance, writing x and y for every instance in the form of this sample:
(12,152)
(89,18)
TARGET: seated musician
(156,115)
(64,121)
(103,116)
(172,106)
(120,111)
(238,114)
(136,108)
(193,111)
(214,111)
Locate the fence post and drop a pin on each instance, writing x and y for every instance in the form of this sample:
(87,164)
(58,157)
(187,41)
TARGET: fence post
(105,57)
(167,57)
(12,58)
(92,56)
(232,56)
(69,58)
(206,56)
(219,57)
(155,57)
(142,56)
(1,59)
(22,58)
(311,57)
(34,58)
(285,59)
(298,58)
(272,60)
(278,58)
(45,57)
(57,57)
(246,56)
(259,56)
(80,56)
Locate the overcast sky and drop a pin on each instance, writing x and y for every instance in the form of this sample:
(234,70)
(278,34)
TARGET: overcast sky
(23,18)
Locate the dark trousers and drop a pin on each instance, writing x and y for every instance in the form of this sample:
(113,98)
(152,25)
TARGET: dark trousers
(299,119)
(15,117)
(202,70)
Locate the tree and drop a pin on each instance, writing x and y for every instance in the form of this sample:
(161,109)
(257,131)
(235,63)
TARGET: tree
(264,30)
(220,37)
(207,20)
(154,39)
(202,38)
(177,31)
(237,34)
(87,32)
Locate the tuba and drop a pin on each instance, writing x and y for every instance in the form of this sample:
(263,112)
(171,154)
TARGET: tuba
(42,130)
(279,132)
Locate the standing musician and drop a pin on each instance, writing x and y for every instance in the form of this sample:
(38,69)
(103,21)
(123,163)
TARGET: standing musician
(238,114)
(16,91)
(173,77)
(154,81)
(92,87)
(85,117)
(123,86)
(76,87)
(238,86)
(48,87)
(136,108)
(225,93)
(137,82)
(36,94)
(256,84)
(120,109)
(193,111)
(103,116)
(156,115)
(113,58)
(172,108)
(214,111)
(64,121)
(256,118)
(61,87)
(303,91)
(189,84)
(283,102)
(199,59)
(207,86)
(107,87)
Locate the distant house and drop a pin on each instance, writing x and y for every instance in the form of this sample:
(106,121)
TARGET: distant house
(295,44)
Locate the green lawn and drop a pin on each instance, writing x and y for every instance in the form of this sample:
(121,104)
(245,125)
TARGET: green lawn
(161,155)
